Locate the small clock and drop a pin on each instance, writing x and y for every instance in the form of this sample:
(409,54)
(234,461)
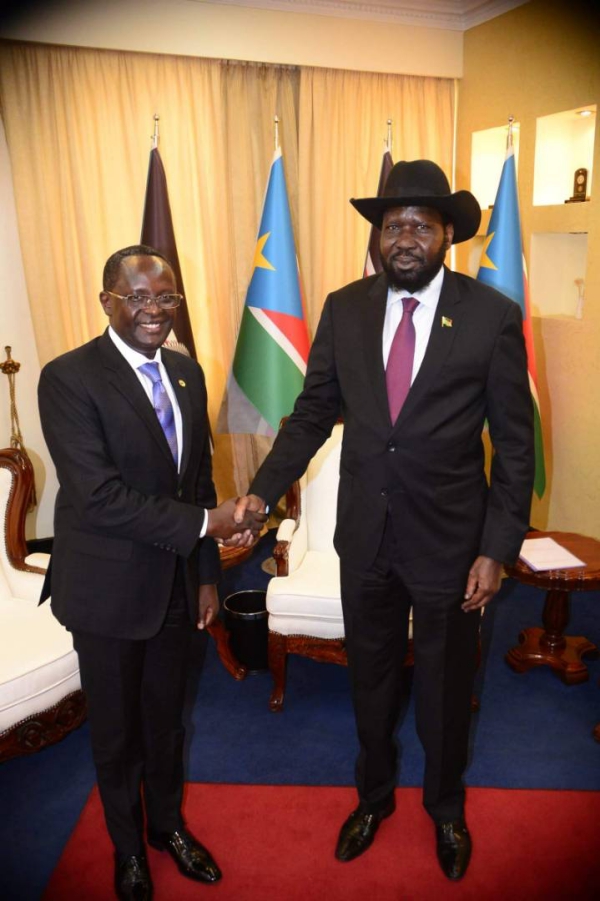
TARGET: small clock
(579,186)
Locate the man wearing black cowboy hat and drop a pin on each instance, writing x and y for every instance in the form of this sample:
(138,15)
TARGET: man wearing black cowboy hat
(415,361)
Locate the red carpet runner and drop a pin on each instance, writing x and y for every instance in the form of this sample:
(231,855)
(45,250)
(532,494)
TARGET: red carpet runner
(276,844)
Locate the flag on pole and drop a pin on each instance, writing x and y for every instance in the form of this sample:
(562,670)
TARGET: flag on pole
(158,232)
(503,267)
(373,259)
(272,346)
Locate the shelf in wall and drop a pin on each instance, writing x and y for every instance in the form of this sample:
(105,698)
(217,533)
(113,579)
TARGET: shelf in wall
(558,261)
(564,144)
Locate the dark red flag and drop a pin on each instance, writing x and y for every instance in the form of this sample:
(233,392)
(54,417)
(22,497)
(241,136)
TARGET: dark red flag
(373,260)
(157,231)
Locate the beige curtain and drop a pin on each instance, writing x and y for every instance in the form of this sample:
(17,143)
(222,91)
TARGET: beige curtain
(342,129)
(78,125)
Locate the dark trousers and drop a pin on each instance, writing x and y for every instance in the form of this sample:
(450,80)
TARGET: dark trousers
(376,605)
(135,692)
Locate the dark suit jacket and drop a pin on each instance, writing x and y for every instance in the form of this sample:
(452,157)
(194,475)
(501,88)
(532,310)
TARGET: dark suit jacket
(426,470)
(123,513)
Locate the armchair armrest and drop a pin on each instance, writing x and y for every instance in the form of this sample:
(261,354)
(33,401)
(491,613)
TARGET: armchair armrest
(37,562)
(291,547)
(284,536)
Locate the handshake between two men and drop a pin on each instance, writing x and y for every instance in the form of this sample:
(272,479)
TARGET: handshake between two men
(238,521)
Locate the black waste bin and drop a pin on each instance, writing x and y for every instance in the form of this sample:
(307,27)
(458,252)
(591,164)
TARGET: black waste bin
(246,618)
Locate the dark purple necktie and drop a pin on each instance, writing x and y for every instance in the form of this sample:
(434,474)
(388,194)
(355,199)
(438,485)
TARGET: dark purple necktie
(398,372)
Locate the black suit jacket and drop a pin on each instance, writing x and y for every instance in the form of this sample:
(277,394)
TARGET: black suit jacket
(123,514)
(426,470)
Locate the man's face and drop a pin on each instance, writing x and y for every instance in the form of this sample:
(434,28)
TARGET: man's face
(414,241)
(146,329)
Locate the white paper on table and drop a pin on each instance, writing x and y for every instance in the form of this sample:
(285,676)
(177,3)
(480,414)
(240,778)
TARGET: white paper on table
(546,553)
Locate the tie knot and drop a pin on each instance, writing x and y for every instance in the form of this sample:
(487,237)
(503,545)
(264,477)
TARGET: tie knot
(410,304)
(152,371)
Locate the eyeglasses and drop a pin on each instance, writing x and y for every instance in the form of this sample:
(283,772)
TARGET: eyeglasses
(143,301)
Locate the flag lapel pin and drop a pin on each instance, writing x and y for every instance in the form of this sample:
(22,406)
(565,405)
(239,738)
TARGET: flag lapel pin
(446,322)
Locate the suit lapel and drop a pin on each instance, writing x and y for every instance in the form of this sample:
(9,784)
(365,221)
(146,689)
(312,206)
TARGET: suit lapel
(124,380)
(373,317)
(438,347)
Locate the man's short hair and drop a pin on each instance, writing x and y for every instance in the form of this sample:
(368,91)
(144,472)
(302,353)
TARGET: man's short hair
(112,267)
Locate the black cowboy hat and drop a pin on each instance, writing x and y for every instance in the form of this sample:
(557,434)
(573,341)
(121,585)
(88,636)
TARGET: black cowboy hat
(423,183)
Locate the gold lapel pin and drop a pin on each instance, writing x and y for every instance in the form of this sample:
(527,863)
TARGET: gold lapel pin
(446,322)
(182,383)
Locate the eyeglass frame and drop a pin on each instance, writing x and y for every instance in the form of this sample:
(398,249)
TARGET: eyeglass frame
(147,300)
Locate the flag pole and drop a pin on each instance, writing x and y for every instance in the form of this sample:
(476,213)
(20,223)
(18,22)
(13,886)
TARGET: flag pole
(154,137)
(276,131)
(509,137)
(388,140)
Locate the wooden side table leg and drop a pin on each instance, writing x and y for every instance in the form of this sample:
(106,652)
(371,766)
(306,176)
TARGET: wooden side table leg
(556,619)
(550,646)
(222,639)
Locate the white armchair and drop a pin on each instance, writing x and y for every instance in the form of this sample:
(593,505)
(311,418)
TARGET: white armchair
(40,690)
(303,599)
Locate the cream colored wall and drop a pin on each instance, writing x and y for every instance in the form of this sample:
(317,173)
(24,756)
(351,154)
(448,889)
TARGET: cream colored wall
(541,59)
(232,32)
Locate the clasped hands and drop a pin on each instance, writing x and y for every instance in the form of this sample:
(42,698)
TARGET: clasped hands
(238,521)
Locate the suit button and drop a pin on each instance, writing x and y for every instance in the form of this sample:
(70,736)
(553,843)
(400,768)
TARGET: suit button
(384,492)
(391,446)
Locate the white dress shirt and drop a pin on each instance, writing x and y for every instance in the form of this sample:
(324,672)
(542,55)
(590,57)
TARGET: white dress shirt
(423,318)
(137,359)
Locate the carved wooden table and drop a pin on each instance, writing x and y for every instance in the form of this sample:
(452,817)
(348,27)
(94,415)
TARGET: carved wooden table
(550,646)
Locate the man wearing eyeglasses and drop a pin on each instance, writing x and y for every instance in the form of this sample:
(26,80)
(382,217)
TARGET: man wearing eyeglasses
(134,562)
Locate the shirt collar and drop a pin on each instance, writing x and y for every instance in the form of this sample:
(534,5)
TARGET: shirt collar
(133,357)
(428,296)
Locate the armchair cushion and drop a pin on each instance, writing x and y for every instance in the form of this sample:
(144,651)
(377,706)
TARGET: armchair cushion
(38,666)
(307,602)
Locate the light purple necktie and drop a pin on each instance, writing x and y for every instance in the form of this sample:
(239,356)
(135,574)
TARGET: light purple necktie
(162,406)
(398,371)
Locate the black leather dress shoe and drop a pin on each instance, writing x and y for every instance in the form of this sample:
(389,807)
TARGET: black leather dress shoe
(132,879)
(359,830)
(192,858)
(453,848)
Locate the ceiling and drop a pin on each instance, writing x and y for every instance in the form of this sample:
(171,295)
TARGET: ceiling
(455,15)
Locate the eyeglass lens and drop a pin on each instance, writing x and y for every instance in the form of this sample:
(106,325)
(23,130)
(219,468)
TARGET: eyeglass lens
(164,302)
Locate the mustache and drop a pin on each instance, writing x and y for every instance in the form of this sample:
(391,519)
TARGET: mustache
(406,255)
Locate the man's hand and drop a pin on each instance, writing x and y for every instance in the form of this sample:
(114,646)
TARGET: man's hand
(484,581)
(250,502)
(208,606)
(242,530)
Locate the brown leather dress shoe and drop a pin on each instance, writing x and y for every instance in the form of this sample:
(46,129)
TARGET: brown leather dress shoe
(132,878)
(192,858)
(453,847)
(359,830)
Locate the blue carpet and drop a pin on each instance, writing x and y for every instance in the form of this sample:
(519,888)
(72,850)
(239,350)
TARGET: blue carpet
(531,732)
